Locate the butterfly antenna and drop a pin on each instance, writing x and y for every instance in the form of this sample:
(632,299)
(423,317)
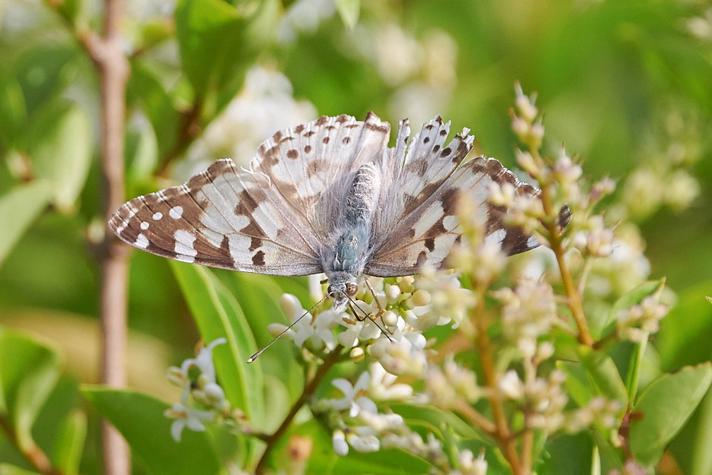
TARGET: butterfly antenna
(256,355)
(366,315)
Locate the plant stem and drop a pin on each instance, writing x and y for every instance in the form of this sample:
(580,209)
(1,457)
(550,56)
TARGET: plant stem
(34,454)
(113,69)
(502,432)
(555,243)
(309,389)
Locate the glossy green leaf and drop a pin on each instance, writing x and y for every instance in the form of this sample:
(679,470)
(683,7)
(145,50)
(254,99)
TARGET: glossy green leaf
(218,315)
(664,407)
(349,11)
(18,208)
(69,444)
(28,372)
(259,297)
(140,420)
(59,144)
(604,373)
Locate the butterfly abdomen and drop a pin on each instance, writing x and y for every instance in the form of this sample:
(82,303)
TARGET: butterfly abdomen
(353,230)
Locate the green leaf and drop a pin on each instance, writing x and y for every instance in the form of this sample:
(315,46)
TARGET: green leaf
(140,420)
(664,407)
(70,443)
(701,455)
(626,301)
(217,315)
(209,33)
(436,418)
(567,453)
(578,383)
(259,297)
(385,462)
(59,144)
(18,209)
(28,372)
(145,88)
(684,333)
(604,373)
(349,11)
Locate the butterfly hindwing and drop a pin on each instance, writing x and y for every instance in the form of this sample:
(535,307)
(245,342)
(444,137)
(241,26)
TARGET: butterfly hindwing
(419,225)
(220,218)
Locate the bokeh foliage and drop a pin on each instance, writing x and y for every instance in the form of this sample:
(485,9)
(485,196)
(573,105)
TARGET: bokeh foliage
(611,76)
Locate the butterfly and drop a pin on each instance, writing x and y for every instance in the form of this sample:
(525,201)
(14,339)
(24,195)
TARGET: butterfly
(328,196)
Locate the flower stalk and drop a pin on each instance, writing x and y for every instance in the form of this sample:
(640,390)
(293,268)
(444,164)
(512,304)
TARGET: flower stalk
(309,388)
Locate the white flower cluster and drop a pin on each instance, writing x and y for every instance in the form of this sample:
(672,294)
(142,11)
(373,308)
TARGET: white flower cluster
(421,70)
(356,420)
(639,321)
(202,399)
(528,312)
(403,307)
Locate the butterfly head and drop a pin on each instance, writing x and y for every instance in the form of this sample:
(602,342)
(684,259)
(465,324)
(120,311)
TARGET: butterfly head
(342,287)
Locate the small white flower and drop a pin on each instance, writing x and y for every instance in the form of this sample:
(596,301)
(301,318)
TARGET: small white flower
(188,417)
(510,385)
(363,443)
(338,441)
(354,399)
(383,385)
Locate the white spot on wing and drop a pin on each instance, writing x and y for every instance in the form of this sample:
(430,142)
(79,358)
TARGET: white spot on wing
(188,259)
(141,241)
(144,225)
(184,242)
(157,216)
(496,237)
(176,212)
(450,222)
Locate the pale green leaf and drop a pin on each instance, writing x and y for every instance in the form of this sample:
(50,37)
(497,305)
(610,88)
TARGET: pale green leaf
(349,11)
(140,420)
(28,372)
(604,374)
(18,208)
(69,444)
(218,315)
(664,407)
(60,146)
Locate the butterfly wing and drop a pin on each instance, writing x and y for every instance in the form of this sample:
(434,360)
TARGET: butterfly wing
(271,218)
(418,224)
(312,165)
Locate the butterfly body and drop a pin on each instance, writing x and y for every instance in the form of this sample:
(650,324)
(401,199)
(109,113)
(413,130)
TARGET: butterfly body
(327,196)
(344,259)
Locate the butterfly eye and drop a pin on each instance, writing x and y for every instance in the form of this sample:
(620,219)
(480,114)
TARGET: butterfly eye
(351,289)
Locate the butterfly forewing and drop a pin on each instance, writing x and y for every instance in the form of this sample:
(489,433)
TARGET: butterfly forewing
(222,219)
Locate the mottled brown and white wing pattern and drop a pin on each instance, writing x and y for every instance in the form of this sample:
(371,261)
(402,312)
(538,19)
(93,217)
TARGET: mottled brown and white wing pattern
(272,217)
(222,217)
(418,224)
(312,165)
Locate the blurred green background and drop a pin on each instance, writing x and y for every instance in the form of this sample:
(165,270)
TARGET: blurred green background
(625,86)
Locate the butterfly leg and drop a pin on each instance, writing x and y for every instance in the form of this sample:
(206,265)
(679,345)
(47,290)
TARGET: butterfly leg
(381,310)
(365,316)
